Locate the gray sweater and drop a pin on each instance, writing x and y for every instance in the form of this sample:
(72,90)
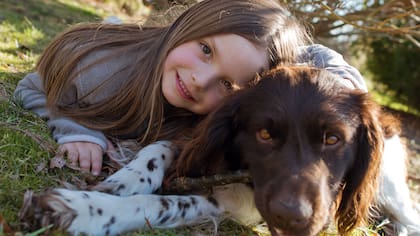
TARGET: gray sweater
(31,93)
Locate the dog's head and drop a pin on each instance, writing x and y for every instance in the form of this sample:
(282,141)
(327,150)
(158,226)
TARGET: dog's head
(312,146)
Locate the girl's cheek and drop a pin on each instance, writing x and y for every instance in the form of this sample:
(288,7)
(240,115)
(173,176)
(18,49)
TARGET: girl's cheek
(216,101)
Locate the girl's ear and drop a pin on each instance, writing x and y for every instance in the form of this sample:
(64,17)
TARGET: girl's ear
(204,154)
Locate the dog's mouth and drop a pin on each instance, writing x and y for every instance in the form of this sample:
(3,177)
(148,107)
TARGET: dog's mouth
(312,227)
(285,225)
(276,231)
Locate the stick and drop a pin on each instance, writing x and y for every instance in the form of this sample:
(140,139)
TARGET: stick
(185,184)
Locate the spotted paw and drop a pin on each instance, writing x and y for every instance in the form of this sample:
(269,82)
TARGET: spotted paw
(144,174)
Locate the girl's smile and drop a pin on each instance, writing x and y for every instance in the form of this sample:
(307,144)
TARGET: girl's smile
(183,90)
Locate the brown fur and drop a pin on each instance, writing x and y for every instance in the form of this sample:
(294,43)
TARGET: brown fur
(300,181)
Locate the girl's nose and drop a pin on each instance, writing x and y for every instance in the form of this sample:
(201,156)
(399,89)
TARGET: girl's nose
(204,80)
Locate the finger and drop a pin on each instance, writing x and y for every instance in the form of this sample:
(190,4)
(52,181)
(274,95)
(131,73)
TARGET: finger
(70,152)
(73,156)
(96,155)
(84,160)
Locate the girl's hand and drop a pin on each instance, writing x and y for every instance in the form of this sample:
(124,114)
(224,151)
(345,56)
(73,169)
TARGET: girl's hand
(87,155)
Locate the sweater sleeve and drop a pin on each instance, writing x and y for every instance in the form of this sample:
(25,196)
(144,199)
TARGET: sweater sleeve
(30,93)
(323,57)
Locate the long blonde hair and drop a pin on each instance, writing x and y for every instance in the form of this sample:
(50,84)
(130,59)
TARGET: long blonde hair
(139,105)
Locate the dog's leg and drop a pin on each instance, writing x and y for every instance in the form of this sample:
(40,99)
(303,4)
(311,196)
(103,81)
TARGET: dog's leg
(96,213)
(394,194)
(144,174)
(238,203)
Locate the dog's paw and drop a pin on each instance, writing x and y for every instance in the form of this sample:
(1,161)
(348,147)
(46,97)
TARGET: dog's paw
(76,212)
(42,210)
(144,174)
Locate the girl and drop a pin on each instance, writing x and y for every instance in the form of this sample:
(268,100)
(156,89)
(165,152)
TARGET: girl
(126,81)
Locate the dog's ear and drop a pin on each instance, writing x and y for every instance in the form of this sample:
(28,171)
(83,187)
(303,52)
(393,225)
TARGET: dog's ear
(205,153)
(362,179)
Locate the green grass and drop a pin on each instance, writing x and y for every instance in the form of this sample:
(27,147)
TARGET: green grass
(26,26)
(25,144)
(385,96)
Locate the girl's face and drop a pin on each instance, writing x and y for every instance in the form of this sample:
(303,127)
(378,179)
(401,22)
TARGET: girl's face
(198,74)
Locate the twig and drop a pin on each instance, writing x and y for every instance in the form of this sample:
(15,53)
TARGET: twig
(414,178)
(375,28)
(184,184)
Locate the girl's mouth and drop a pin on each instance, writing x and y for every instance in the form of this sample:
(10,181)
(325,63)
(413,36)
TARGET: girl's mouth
(182,89)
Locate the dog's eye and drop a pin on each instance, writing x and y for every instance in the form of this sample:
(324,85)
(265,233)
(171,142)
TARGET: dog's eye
(264,136)
(330,139)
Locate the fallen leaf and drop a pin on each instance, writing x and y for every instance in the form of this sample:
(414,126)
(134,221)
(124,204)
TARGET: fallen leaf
(40,167)
(4,225)
(57,162)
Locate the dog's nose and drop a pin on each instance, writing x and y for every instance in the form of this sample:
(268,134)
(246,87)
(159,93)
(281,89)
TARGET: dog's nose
(294,213)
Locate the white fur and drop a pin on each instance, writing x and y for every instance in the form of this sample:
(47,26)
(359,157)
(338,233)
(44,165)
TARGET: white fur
(394,194)
(237,203)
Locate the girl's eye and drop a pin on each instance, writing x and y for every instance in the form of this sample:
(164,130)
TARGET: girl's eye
(227,84)
(205,49)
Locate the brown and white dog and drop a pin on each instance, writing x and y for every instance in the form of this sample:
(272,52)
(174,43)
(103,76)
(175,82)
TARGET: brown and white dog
(317,151)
